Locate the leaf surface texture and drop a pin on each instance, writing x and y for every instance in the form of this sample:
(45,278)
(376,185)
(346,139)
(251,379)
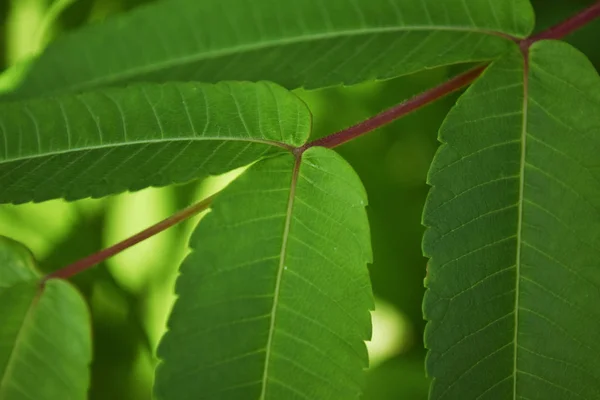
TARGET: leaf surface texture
(45,338)
(112,140)
(274,299)
(310,43)
(513,225)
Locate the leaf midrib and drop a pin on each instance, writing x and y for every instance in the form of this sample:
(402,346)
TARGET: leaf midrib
(20,337)
(280,269)
(520,217)
(270,44)
(143,142)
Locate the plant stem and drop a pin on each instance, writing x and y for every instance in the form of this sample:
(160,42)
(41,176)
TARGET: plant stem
(566,27)
(556,32)
(96,258)
(392,114)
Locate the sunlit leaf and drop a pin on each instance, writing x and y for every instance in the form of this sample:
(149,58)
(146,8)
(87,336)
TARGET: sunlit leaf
(274,299)
(45,343)
(513,227)
(16,263)
(113,140)
(310,43)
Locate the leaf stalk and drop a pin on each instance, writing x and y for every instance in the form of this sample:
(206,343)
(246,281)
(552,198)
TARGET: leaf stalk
(96,258)
(556,32)
(396,112)
(391,114)
(565,27)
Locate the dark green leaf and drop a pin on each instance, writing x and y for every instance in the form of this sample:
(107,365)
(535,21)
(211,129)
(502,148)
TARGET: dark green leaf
(110,141)
(513,226)
(273,301)
(45,339)
(296,42)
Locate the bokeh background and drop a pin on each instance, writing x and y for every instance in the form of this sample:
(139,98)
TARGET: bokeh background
(130,295)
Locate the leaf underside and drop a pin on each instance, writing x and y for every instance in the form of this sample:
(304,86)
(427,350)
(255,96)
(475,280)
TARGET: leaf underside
(274,299)
(513,224)
(295,43)
(112,140)
(45,338)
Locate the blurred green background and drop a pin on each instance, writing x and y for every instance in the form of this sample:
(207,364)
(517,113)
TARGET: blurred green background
(130,296)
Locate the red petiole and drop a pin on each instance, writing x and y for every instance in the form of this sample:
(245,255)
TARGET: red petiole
(556,32)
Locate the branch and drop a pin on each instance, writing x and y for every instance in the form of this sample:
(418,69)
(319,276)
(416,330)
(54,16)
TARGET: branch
(392,114)
(556,32)
(96,258)
(566,27)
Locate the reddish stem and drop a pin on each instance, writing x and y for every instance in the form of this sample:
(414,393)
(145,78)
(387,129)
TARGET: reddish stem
(392,114)
(333,140)
(396,112)
(96,258)
(565,27)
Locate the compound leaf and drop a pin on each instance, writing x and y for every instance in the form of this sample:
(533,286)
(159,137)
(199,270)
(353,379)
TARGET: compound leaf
(274,299)
(313,43)
(108,141)
(513,227)
(45,338)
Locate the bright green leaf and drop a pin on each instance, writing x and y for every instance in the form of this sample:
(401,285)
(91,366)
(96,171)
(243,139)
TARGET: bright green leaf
(113,140)
(16,263)
(45,339)
(274,299)
(513,229)
(310,43)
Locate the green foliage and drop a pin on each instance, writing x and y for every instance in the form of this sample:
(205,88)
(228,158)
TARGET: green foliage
(17,262)
(310,43)
(109,141)
(274,300)
(513,219)
(280,262)
(45,343)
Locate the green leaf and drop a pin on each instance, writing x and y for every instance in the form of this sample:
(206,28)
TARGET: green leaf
(274,299)
(45,344)
(16,263)
(310,43)
(109,141)
(513,227)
